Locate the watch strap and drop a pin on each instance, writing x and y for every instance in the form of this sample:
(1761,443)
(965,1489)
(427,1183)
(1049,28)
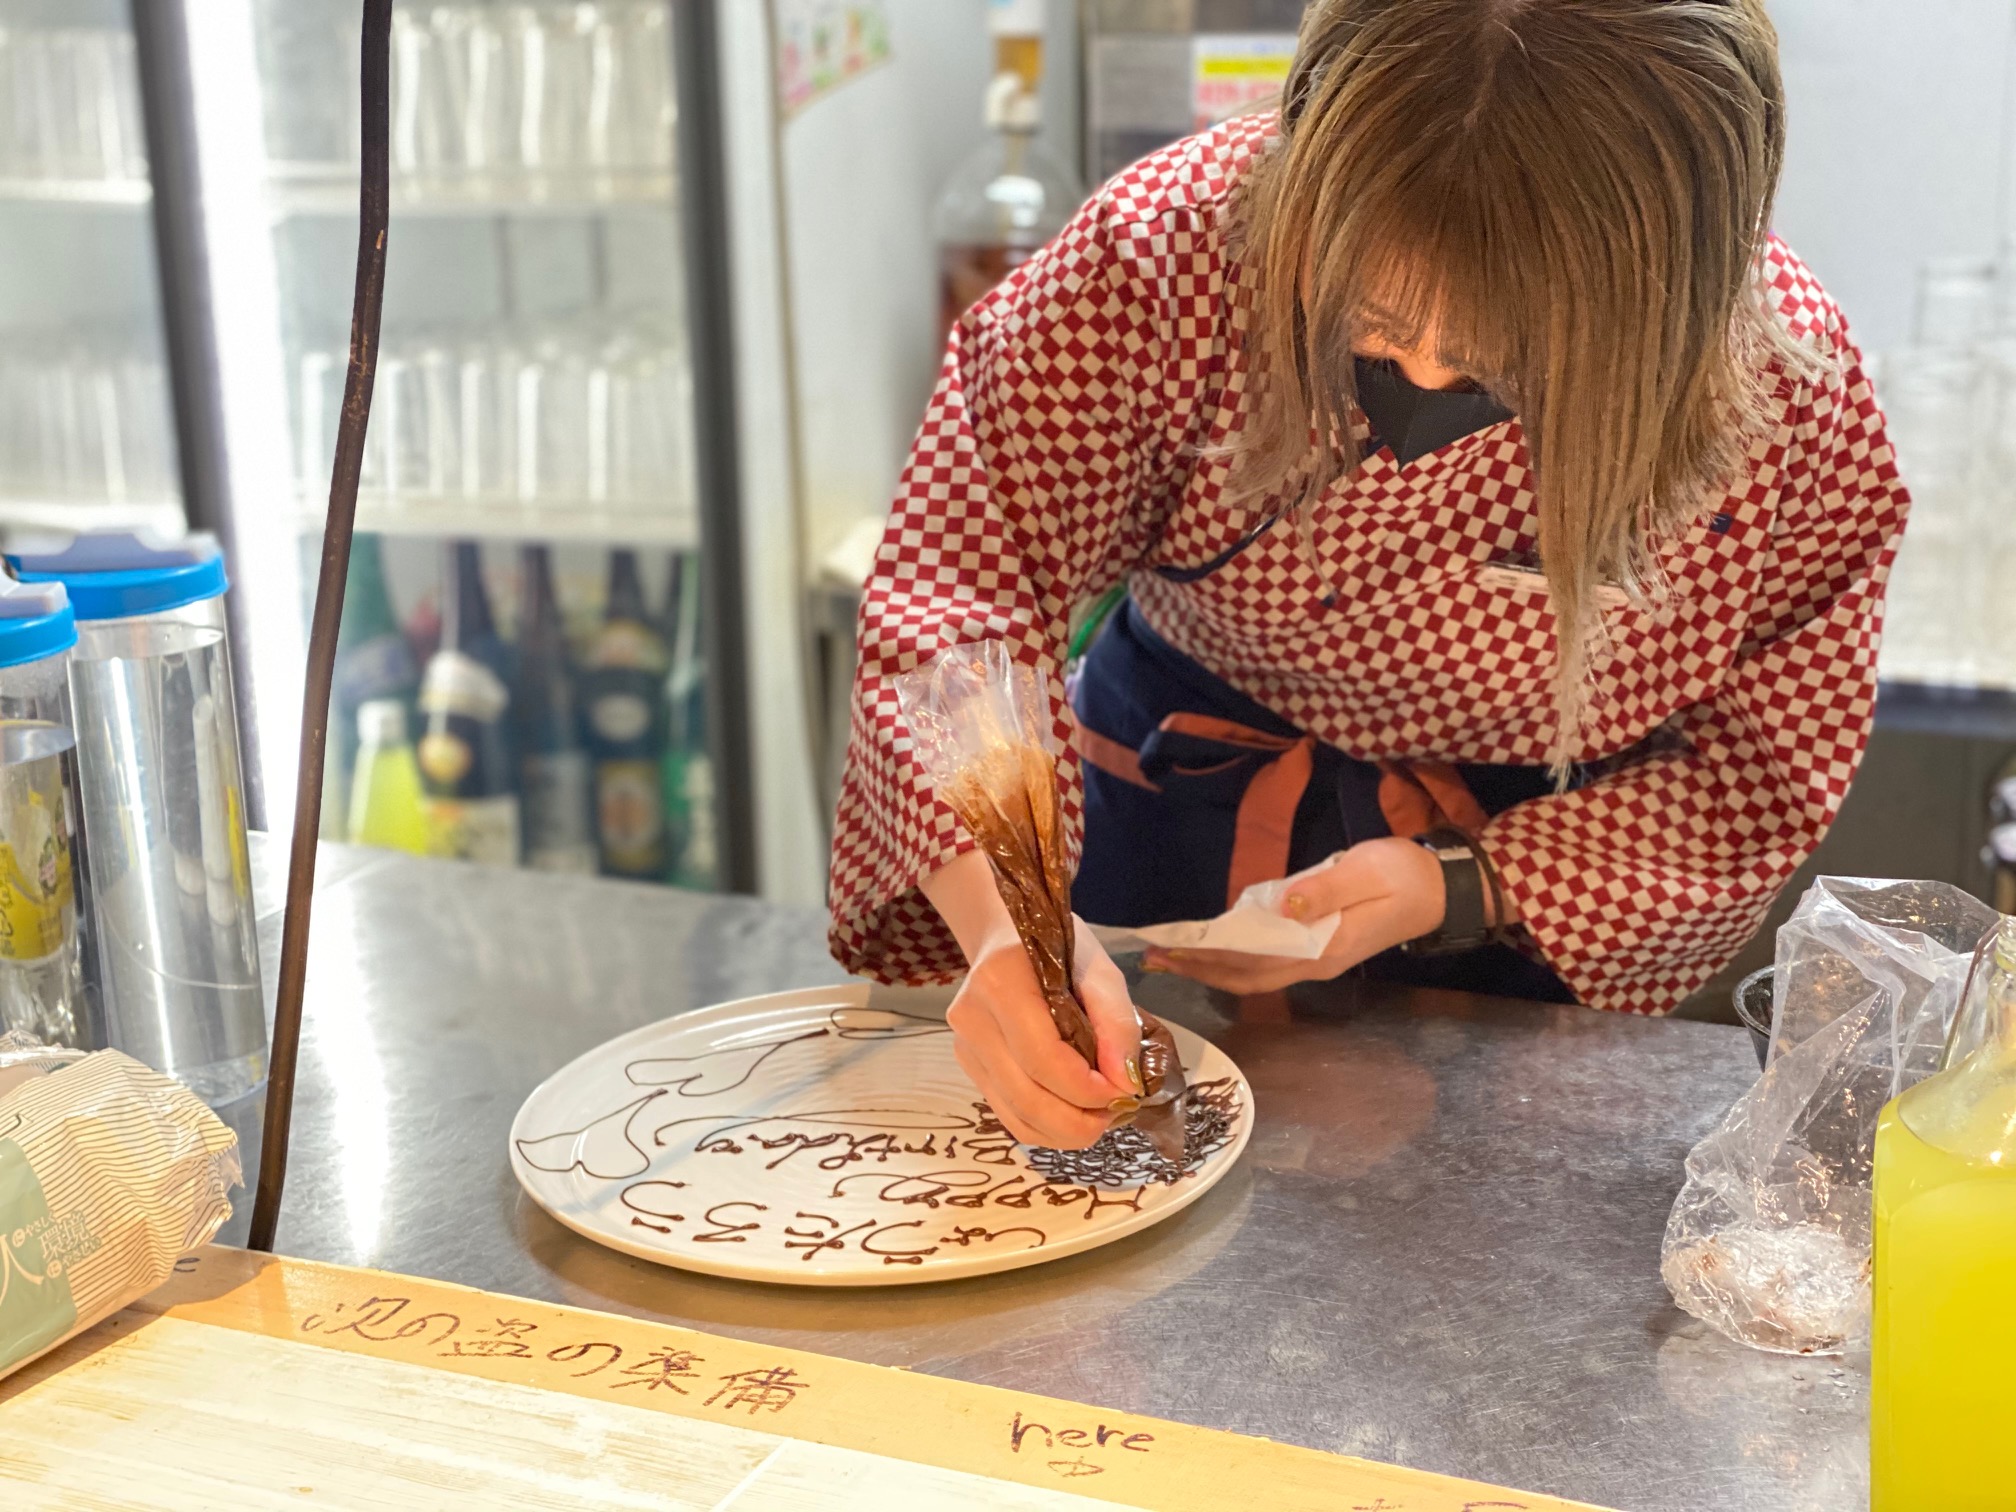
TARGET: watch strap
(1470,891)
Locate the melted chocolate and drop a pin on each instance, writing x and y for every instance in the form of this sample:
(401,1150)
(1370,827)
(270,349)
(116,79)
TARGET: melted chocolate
(1007,799)
(1008,802)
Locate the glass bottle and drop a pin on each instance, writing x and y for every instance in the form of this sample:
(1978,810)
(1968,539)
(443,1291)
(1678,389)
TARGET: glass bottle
(1944,1327)
(1011,196)
(554,769)
(696,862)
(672,624)
(467,761)
(387,807)
(623,696)
(373,660)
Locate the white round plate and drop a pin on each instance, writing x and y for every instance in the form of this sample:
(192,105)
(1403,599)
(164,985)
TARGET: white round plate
(807,1137)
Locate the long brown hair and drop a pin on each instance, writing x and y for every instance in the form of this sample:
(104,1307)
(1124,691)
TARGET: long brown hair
(1569,200)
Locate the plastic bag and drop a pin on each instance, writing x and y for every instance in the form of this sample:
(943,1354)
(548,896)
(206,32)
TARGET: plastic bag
(23,1057)
(109,1173)
(1769,1240)
(981,727)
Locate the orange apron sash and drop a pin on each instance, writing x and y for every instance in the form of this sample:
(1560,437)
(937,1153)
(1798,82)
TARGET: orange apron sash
(1419,796)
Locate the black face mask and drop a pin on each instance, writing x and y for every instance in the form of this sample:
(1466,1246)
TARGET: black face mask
(1414,421)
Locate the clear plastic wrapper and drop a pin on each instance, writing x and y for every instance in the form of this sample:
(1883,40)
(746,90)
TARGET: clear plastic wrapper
(1769,1240)
(981,726)
(109,1172)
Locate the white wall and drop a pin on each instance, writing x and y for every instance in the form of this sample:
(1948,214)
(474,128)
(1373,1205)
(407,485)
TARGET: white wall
(836,322)
(1899,116)
(863,168)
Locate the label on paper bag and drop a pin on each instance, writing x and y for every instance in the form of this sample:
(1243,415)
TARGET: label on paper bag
(36,1305)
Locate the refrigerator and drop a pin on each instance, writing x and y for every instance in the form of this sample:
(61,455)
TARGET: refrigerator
(556,378)
(86,433)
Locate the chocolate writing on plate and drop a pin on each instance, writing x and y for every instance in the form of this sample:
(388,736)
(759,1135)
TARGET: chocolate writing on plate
(842,1143)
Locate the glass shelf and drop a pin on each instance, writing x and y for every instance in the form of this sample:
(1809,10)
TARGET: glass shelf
(55,191)
(559,520)
(163,515)
(330,189)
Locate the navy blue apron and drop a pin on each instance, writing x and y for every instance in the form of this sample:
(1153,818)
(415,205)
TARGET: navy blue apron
(1172,756)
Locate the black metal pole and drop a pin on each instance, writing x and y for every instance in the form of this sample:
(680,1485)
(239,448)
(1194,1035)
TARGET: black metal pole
(374,203)
(167,107)
(710,320)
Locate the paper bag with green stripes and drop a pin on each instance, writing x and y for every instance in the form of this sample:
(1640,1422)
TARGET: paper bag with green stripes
(109,1172)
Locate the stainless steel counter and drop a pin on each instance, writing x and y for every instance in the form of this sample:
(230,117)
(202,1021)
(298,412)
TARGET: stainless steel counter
(1441,1248)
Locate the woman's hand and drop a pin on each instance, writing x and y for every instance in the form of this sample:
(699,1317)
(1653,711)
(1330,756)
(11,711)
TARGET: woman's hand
(1039,1087)
(1386,892)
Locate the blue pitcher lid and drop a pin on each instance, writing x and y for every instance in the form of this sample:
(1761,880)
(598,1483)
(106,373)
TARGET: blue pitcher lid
(35,621)
(116,574)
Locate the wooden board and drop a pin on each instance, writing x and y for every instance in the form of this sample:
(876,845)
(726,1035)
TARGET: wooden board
(254,1382)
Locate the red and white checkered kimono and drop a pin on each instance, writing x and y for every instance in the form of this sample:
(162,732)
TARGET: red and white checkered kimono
(1068,447)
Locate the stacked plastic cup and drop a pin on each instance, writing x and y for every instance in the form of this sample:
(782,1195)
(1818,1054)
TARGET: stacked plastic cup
(164,806)
(43,957)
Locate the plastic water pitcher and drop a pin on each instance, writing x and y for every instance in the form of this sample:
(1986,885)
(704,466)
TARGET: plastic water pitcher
(164,806)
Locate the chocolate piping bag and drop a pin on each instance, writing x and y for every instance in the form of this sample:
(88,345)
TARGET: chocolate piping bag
(980,725)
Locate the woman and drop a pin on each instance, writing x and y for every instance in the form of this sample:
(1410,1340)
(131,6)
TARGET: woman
(1497,502)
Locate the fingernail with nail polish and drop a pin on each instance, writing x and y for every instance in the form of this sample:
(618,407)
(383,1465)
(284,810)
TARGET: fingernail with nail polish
(1134,1077)
(1124,1105)
(1295,905)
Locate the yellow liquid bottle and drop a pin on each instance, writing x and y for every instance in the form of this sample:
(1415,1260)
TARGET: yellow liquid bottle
(1942,1437)
(387,807)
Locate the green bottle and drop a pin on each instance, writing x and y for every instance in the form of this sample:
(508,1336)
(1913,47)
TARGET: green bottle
(689,765)
(373,661)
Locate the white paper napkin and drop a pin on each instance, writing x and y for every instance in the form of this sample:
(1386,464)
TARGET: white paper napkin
(1254,925)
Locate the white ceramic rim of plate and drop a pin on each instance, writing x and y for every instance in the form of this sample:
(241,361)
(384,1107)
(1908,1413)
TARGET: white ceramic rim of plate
(1192,1047)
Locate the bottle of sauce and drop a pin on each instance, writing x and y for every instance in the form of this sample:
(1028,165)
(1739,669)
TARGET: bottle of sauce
(1011,196)
(1945,1266)
(468,764)
(387,806)
(623,696)
(554,774)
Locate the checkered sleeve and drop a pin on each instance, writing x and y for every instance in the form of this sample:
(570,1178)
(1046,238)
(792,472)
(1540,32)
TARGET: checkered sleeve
(1034,482)
(1640,886)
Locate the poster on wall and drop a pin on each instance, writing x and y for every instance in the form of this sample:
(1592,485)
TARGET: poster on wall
(1234,72)
(822,44)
